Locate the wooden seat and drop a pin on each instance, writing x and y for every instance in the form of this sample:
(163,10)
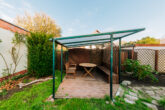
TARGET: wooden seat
(107,72)
(70,69)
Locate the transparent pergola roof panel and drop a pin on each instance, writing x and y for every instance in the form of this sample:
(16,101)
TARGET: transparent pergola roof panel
(93,39)
(95,42)
(118,35)
(72,46)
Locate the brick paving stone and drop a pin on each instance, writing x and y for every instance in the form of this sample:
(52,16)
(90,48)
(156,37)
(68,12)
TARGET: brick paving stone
(84,87)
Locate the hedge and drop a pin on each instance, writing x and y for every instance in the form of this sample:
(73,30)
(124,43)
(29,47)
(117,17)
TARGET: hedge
(39,54)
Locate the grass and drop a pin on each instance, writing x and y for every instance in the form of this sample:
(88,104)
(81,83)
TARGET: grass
(19,76)
(26,80)
(145,97)
(162,103)
(34,99)
(29,97)
(148,100)
(4,92)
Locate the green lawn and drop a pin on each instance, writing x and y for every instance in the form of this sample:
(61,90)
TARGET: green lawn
(34,99)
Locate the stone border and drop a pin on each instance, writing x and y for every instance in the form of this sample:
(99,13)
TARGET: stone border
(32,82)
(132,95)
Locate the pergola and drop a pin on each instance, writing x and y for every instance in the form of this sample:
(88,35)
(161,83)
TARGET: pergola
(92,39)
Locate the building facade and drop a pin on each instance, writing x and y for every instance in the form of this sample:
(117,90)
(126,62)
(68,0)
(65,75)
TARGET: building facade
(7,33)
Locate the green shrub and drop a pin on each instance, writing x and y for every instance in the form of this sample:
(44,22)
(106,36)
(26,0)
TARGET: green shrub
(131,65)
(39,54)
(139,71)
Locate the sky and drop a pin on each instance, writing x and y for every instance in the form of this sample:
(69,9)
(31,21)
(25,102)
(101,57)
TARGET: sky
(77,17)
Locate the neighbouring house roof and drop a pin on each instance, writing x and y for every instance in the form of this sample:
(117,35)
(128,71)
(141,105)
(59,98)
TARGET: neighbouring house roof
(96,31)
(12,27)
(151,48)
(162,41)
(146,46)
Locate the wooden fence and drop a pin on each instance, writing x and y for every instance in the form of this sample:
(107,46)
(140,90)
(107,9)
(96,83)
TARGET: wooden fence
(97,56)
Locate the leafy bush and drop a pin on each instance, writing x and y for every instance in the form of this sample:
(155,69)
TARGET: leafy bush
(39,54)
(139,71)
(130,65)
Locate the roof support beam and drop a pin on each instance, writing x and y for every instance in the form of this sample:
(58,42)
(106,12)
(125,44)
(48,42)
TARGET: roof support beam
(87,44)
(128,34)
(59,43)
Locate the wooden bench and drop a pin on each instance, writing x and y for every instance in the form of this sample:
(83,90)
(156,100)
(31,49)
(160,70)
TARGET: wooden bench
(107,72)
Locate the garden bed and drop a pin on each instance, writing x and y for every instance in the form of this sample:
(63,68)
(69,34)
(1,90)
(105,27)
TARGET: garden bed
(146,82)
(16,84)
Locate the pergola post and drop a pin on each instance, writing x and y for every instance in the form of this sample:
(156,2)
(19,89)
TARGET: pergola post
(61,62)
(67,55)
(54,64)
(119,68)
(111,68)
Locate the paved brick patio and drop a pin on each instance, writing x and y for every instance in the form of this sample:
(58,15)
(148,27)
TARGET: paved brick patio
(85,87)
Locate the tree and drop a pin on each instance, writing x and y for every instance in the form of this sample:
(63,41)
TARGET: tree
(145,40)
(129,43)
(148,40)
(39,22)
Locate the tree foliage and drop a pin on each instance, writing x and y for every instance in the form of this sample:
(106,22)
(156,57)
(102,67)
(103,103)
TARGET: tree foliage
(148,40)
(129,43)
(145,40)
(39,22)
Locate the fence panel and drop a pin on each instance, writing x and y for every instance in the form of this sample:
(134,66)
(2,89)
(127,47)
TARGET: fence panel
(146,57)
(161,61)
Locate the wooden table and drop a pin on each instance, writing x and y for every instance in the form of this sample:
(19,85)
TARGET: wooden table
(88,67)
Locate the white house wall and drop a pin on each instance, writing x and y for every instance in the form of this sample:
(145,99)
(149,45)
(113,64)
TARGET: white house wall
(5,48)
